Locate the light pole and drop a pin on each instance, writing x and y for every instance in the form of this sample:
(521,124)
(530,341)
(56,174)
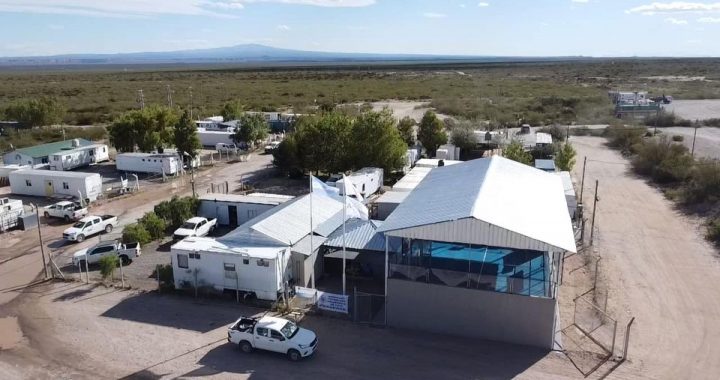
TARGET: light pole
(192,172)
(692,152)
(42,249)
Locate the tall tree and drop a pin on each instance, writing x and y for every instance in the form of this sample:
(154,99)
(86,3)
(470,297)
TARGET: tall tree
(252,127)
(375,141)
(565,157)
(322,142)
(148,129)
(406,127)
(285,157)
(463,136)
(35,112)
(232,110)
(186,137)
(431,133)
(516,152)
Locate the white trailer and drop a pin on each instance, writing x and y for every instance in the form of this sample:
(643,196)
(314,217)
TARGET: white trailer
(367,181)
(50,183)
(212,138)
(10,212)
(156,163)
(236,209)
(448,152)
(78,157)
(256,270)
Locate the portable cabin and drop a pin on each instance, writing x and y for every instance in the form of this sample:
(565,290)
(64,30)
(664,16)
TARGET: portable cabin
(205,262)
(78,157)
(448,152)
(10,212)
(236,209)
(570,196)
(5,171)
(50,183)
(367,181)
(155,163)
(212,138)
(39,154)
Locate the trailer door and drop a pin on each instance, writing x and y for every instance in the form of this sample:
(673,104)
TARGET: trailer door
(49,189)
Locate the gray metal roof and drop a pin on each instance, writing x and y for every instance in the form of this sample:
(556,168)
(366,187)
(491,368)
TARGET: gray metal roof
(52,173)
(359,235)
(242,198)
(517,205)
(303,246)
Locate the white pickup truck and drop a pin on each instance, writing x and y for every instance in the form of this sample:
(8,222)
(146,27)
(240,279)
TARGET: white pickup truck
(196,226)
(273,334)
(65,210)
(92,255)
(90,225)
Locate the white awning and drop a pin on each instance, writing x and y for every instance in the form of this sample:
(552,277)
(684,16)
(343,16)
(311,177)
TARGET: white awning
(349,255)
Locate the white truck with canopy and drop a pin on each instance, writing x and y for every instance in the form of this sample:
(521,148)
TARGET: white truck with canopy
(197,226)
(90,225)
(273,334)
(92,255)
(65,210)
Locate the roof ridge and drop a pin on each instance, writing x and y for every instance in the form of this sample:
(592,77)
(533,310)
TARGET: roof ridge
(492,163)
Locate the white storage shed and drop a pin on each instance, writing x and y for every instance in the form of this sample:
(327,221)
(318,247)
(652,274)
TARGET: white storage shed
(367,181)
(236,209)
(155,163)
(78,157)
(49,183)
(10,212)
(448,152)
(205,262)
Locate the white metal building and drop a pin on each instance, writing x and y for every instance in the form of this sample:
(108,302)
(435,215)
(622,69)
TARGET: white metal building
(434,162)
(78,157)
(155,163)
(49,183)
(570,196)
(236,209)
(367,181)
(39,154)
(212,138)
(480,256)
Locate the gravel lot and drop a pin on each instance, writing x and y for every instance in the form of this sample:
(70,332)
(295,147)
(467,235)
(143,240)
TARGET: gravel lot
(707,142)
(695,109)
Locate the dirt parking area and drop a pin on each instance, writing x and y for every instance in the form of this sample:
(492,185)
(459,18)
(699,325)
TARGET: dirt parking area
(695,109)
(104,332)
(707,141)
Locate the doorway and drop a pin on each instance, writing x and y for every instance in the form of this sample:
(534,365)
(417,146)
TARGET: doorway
(49,189)
(232,216)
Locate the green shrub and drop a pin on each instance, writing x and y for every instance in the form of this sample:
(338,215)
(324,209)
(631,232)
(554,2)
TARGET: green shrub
(154,225)
(557,132)
(704,183)
(565,158)
(516,152)
(678,138)
(663,160)
(715,122)
(136,233)
(580,131)
(177,210)
(713,231)
(665,119)
(624,138)
(108,265)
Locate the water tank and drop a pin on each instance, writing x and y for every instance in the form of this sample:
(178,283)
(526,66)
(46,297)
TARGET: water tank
(75,143)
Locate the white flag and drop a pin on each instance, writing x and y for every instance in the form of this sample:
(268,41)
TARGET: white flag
(355,208)
(350,189)
(318,187)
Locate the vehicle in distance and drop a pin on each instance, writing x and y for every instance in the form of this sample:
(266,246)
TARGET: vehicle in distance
(126,252)
(196,226)
(65,210)
(270,147)
(273,334)
(226,148)
(90,225)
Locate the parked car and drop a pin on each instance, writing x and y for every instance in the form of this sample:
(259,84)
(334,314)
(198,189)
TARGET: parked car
(270,147)
(196,226)
(226,148)
(90,225)
(65,210)
(273,334)
(126,252)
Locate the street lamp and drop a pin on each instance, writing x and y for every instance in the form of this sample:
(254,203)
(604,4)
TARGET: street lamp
(42,249)
(192,172)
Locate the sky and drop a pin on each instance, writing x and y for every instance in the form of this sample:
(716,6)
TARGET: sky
(462,27)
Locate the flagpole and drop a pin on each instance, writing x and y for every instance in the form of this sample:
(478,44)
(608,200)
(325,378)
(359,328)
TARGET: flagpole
(345,186)
(312,270)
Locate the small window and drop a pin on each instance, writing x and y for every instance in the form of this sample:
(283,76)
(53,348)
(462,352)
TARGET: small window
(103,149)
(182,261)
(66,186)
(55,158)
(276,335)
(263,263)
(195,256)
(143,160)
(246,261)
(229,267)
(28,183)
(261,331)
(18,157)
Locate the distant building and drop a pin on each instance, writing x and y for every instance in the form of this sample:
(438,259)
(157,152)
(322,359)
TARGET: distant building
(39,154)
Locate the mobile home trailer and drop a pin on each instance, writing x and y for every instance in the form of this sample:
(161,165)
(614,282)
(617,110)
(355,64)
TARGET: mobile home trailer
(367,181)
(202,262)
(49,183)
(10,212)
(78,157)
(155,163)
(212,138)
(236,209)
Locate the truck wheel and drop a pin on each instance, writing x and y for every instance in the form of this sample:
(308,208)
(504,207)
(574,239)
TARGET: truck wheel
(108,228)
(125,260)
(246,347)
(80,238)
(67,218)
(294,355)
(81,263)
(47,215)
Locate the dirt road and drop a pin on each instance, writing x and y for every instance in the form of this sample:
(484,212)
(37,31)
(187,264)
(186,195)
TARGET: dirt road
(658,268)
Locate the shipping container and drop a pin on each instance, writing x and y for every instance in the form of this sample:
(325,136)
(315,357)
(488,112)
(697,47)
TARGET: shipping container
(51,183)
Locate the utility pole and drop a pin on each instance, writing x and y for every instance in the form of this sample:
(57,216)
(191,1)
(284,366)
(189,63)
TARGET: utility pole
(592,225)
(169,95)
(42,248)
(141,99)
(191,103)
(692,152)
(582,181)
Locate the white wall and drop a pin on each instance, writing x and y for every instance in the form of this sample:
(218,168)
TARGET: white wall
(20,159)
(245,211)
(265,282)
(90,187)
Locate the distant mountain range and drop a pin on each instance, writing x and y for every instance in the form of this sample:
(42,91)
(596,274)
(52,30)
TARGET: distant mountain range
(247,53)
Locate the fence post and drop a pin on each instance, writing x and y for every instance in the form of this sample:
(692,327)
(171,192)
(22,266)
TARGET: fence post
(592,225)
(237,288)
(122,275)
(627,338)
(355,310)
(612,348)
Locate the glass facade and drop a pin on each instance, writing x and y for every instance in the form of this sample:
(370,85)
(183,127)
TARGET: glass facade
(495,269)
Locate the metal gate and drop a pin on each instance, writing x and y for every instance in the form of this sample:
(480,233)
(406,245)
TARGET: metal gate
(369,308)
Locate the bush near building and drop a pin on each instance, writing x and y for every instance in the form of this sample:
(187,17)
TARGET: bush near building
(136,233)
(176,211)
(107,266)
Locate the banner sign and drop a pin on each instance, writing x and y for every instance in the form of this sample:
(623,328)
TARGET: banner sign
(332,302)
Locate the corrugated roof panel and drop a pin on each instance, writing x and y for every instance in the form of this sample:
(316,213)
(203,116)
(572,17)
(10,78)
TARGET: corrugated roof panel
(44,150)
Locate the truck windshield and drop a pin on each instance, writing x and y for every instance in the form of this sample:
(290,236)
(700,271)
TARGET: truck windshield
(289,330)
(79,225)
(188,226)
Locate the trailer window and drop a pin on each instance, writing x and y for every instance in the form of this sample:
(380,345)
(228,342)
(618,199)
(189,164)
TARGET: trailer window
(229,267)
(263,263)
(182,261)
(28,183)
(66,186)
(246,261)
(195,256)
